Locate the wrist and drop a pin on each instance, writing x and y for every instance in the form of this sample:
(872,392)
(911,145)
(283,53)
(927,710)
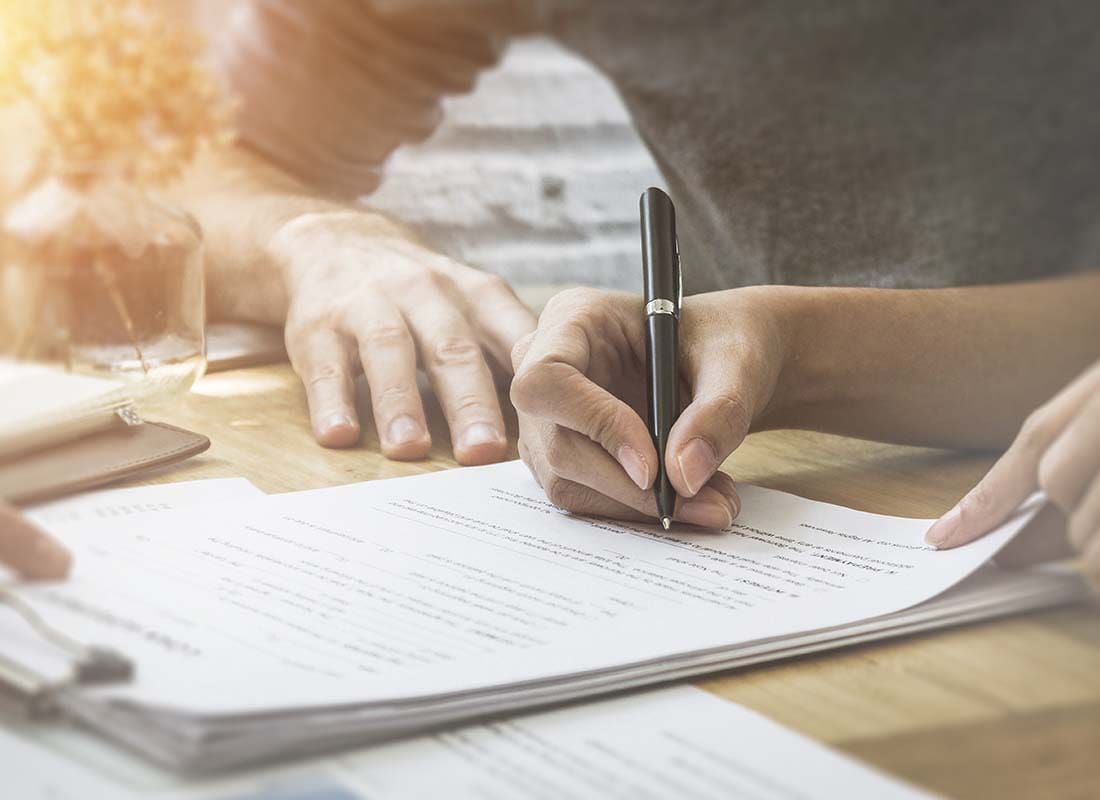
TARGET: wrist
(803,322)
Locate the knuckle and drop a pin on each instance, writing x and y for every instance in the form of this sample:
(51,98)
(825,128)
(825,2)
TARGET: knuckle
(977,503)
(394,396)
(438,279)
(528,387)
(463,404)
(410,278)
(325,372)
(1051,479)
(385,335)
(455,351)
(557,453)
(564,493)
(733,413)
(416,277)
(495,284)
(608,424)
(519,350)
(1037,432)
(573,297)
(302,321)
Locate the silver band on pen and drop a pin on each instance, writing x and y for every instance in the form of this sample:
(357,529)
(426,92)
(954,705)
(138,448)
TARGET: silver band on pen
(660,306)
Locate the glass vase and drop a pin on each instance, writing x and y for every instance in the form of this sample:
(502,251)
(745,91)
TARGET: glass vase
(98,277)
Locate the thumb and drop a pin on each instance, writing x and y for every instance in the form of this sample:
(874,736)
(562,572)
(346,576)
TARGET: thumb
(712,426)
(29,551)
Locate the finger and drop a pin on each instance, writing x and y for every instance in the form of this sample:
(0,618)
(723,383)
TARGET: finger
(562,492)
(456,366)
(321,357)
(1084,522)
(716,505)
(29,551)
(1042,539)
(500,318)
(579,499)
(525,457)
(550,385)
(712,426)
(1070,464)
(389,362)
(575,457)
(568,460)
(520,350)
(1013,477)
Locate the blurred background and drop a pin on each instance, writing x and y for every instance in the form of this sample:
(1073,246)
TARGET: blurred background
(534,176)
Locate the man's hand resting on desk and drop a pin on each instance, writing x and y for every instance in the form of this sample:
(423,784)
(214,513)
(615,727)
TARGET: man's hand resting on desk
(357,297)
(1057,451)
(356,291)
(580,393)
(29,551)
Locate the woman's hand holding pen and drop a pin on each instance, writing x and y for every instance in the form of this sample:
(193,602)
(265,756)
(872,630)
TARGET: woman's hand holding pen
(29,551)
(580,393)
(1057,451)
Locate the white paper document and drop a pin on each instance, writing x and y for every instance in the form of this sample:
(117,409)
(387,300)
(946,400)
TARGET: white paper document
(678,742)
(373,610)
(118,504)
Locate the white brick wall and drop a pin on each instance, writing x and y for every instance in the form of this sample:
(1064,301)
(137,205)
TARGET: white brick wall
(536,175)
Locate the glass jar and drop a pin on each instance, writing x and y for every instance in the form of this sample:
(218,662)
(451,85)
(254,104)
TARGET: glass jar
(98,277)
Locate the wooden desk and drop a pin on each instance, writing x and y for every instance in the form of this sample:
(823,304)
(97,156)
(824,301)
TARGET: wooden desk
(1007,709)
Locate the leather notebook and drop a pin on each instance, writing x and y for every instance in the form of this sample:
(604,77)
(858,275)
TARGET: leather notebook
(118,452)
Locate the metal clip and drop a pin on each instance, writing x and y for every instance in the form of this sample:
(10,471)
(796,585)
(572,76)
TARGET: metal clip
(130,416)
(32,696)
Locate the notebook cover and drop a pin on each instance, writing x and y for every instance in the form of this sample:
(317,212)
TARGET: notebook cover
(94,460)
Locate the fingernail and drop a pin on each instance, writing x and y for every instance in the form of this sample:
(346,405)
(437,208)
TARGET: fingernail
(697,462)
(705,514)
(480,433)
(405,429)
(944,528)
(50,559)
(635,466)
(336,421)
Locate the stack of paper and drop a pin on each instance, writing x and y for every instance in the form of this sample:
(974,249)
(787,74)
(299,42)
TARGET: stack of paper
(44,407)
(302,622)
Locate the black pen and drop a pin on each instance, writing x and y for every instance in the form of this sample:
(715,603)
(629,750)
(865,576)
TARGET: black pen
(664,295)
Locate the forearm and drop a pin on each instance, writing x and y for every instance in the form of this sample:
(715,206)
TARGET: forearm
(949,367)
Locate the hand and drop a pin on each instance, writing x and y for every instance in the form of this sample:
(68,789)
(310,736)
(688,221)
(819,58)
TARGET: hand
(580,393)
(358,297)
(29,551)
(1057,451)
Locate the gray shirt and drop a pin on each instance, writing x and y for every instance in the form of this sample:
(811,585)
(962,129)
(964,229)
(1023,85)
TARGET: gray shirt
(852,142)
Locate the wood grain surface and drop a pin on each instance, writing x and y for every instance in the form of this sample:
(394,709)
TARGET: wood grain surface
(1005,709)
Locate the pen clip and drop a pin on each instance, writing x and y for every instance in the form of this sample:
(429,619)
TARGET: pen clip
(679,280)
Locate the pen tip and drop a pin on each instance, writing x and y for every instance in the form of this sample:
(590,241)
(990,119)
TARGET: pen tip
(665,522)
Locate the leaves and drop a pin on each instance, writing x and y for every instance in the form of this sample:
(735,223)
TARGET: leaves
(117,85)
